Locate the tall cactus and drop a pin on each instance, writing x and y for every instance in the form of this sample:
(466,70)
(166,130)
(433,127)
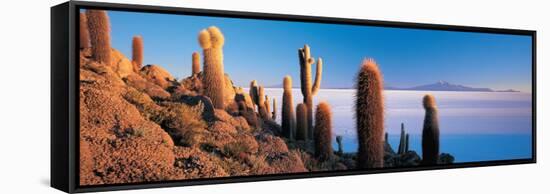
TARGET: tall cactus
(195,63)
(301,122)
(309,90)
(253,92)
(386,137)
(288,120)
(84,33)
(274,113)
(369,112)
(100,35)
(261,104)
(137,53)
(211,41)
(401,147)
(323,132)
(339,141)
(406,143)
(267,107)
(430,132)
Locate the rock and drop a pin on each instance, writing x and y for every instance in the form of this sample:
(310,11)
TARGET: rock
(158,75)
(445,158)
(121,65)
(143,85)
(123,146)
(208,107)
(272,126)
(223,127)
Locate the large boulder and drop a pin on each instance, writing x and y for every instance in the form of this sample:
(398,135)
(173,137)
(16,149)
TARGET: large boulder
(121,64)
(158,75)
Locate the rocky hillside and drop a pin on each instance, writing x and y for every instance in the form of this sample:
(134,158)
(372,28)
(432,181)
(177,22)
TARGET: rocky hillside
(146,126)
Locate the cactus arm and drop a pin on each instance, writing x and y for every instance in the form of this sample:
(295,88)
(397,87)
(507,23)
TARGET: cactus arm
(318,77)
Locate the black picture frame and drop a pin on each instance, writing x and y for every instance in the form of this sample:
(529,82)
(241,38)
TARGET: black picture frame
(65,87)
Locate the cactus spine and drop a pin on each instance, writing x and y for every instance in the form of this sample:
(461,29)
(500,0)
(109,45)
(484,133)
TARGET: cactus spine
(84,33)
(100,38)
(430,132)
(274,113)
(288,120)
(137,53)
(195,63)
(211,41)
(309,90)
(301,122)
(339,141)
(323,132)
(369,112)
(401,148)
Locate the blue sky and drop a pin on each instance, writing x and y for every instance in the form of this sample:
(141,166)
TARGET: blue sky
(267,50)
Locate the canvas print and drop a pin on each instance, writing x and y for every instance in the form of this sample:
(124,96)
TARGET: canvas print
(173,97)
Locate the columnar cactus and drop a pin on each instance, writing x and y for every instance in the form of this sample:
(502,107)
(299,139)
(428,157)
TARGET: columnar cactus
(406,143)
(211,40)
(100,38)
(84,34)
(195,63)
(253,92)
(301,122)
(386,137)
(369,112)
(137,53)
(261,104)
(339,141)
(288,121)
(267,107)
(309,90)
(274,113)
(430,132)
(323,132)
(401,147)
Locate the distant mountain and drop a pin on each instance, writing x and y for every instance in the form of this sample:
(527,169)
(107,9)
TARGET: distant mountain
(446,86)
(438,86)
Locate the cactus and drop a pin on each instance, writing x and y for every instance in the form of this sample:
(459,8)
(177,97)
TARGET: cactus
(401,147)
(253,92)
(261,104)
(195,63)
(369,114)
(288,121)
(309,90)
(100,38)
(430,132)
(323,132)
(267,108)
(301,122)
(211,40)
(386,137)
(137,53)
(84,33)
(339,141)
(274,113)
(406,143)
